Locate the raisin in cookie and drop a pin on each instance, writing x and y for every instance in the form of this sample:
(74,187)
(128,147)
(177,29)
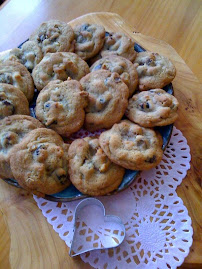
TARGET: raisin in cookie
(60,106)
(29,55)
(91,171)
(12,101)
(53,36)
(132,146)
(118,44)
(17,75)
(107,100)
(122,66)
(89,39)
(152,108)
(59,65)
(12,131)
(154,70)
(40,162)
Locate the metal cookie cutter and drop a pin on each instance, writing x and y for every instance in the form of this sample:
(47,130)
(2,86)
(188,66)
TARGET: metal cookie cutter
(109,238)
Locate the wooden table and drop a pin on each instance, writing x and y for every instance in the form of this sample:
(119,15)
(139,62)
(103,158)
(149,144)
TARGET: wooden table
(26,239)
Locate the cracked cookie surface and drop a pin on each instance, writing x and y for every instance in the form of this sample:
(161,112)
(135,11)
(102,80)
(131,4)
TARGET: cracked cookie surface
(53,36)
(120,65)
(107,99)
(59,65)
(89,39)
(154,70)
(132,146)
(12,131)
(40,162)
(152,108)
(60,106)
(91,171)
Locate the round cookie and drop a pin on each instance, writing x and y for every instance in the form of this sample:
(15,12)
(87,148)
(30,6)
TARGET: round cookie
(91,171)
(60,106)
(12,131)
(40,162)
(17,75)
(59,65)
(107,100)
(12,101)
(132,146)
(118,44)
(53,36)
(122,66)
(89,39)
(154,70)
(152,108)
(29,55)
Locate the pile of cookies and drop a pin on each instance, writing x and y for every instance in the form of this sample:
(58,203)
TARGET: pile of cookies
(85,78)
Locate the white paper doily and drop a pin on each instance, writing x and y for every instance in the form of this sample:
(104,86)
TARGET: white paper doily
(158,227)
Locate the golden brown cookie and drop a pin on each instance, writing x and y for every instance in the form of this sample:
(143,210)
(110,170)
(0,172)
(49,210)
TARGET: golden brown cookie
(29,55)
(60,106)
(154,70)
(17,75)
(152,108)
(39,162)
(59,65)
(89,39)
(120,65)
(12,101)
(53,36)
(12,131)
(91,171)
(107,100)
(132,146)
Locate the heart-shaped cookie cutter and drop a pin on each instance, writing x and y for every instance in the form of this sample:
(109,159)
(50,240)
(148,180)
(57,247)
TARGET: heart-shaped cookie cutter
(110,241)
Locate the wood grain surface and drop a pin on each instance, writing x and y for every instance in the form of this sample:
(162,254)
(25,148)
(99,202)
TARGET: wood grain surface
(28,241)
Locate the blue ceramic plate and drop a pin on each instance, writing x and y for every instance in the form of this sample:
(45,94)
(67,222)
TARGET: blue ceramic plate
(71,193)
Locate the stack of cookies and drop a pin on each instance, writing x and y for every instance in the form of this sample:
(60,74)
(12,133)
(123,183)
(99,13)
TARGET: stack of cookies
(81,78)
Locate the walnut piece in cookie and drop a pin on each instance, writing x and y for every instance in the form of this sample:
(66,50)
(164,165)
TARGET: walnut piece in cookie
(120,65)
(17,75)
(91,171)
(118,44)
(60,106)
(59,65)
(132,146)
(12,101)
(12,130)
(39,162)
(89,39)
(29,55)
(53,36)
(152,108)
(154,70)
(107,99)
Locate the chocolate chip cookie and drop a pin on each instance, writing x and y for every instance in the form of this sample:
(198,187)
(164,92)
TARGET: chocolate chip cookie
(91,171)
(59,65)
(118,44)
(122,66)
(107,100)
(17,75)
(154,70)
(132,146)
(53,36)
(89,39)
(152,108)
(29,55)
(60,106)
(12,101)
(40,162)
(12,131)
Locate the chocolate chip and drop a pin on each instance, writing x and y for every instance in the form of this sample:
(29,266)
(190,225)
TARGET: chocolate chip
(102,100)
(142,106)
(149,61)
(147,105)
(62,179)
(47,105)
(97,67)
(107,34)
(84,27)
(117,79)
(151,160)
(37,151)
(41,38)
